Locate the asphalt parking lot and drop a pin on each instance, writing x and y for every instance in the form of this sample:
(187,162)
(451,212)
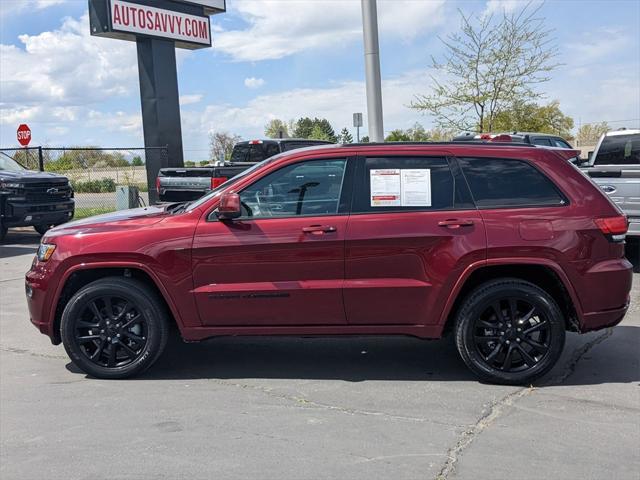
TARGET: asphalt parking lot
(282,408)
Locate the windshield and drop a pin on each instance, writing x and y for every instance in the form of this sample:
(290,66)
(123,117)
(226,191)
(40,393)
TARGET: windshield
(9,164)
(230,182)
(619,150)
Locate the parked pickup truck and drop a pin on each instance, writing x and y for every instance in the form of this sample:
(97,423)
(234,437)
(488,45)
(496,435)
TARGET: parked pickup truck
(186,184)
(615,166)
(29,198)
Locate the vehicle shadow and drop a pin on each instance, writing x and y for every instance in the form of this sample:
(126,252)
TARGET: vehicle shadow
(19,242)
(355,359)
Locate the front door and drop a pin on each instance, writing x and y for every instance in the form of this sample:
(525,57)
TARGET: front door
(282,262)
(413,230)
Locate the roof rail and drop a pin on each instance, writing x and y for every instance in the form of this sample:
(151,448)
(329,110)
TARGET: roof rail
(463,142)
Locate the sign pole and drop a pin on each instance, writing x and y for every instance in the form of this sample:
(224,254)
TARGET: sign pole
(372,69)
(160,107)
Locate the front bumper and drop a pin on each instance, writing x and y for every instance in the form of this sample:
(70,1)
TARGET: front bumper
(40,291)
(26,214)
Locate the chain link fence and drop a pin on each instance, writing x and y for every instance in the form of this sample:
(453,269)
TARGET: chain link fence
(94,173)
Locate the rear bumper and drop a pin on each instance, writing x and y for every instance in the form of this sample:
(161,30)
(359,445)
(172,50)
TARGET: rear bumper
(634,227)
(604,292)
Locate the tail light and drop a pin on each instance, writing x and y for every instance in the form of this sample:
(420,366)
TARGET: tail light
(158,184)
(501,138)
(614,228)
(217,181)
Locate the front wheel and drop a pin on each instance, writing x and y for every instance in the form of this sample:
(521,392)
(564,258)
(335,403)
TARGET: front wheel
(509,331)
(114,328)
(42,229)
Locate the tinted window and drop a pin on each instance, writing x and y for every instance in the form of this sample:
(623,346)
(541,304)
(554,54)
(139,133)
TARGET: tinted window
(541,141)
(398,184)
(508,183)
(248,153)
(272,149)
(558,142)
(307,188)
(619,150)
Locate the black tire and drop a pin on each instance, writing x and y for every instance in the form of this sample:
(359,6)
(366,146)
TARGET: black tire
(114,328)
(3,232)
(42,229)
(509,331)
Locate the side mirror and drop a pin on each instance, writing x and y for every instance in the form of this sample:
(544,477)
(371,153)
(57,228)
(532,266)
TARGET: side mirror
(229,207)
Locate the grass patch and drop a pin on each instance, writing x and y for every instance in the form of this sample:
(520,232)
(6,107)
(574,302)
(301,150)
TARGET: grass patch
(90,212)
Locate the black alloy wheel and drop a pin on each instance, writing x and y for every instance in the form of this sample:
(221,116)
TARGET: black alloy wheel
(510,331)
(114,327)
(111,331)
(512,335)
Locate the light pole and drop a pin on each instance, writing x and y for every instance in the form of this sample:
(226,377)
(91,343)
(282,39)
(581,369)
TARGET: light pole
(372,70)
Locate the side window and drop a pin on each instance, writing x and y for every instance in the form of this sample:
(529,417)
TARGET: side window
(272,149)
(498,182)
(398,184)
(307,188)
(541,141)
(558,142)
(619,150)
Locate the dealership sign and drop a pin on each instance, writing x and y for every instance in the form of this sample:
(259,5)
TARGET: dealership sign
(186,23)
(135,18)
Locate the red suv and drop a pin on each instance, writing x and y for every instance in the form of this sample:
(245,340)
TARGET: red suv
(502,244)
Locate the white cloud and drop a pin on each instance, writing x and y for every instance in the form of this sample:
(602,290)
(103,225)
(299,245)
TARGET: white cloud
(253,82)
(503,6)
(276,29)
(13,7)
(190,99)
(66,67)
(336,103)
(602,43)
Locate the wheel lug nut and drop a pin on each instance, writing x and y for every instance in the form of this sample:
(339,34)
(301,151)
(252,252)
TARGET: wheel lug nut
(118,335)
(501,333)
(517,340)
(508,342)
(101,331)
(109,338)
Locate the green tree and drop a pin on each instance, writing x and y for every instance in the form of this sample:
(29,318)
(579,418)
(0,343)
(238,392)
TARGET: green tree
(303,128)
(530,117)
(487,66)
(364,139)
(189,163)
(319,134)
(590,133)
(137,161)
(397,136)
(276,128)
(345,136)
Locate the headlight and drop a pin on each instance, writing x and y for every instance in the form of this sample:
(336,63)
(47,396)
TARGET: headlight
(45,251)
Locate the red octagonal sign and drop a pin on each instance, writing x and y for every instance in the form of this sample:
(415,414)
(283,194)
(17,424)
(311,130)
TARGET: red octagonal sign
(24,135)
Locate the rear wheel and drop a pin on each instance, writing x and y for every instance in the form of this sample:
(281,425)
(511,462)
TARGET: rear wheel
(510,331)
(114,328)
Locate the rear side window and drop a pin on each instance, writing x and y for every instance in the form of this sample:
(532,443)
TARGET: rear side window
(541,141)
(619,150)
(558,142)
(248,153)
(498,183)
(398,184)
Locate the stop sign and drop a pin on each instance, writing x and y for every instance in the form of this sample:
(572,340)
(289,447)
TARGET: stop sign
(24,135)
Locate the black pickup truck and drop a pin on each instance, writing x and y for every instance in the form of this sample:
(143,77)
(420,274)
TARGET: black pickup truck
(186,184)
(29,198)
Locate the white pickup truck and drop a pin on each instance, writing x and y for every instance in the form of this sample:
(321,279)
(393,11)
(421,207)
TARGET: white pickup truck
(615,166)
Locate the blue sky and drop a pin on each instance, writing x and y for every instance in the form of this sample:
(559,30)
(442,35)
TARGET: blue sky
(286,59)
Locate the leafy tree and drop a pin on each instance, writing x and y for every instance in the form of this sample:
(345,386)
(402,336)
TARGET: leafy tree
(364,139)
(203,163)
(439,134)
(306,128)
(530,117)
(319,134)
(488,66)
(221,145)
(345,136)
(189,163)
(276,128)
(303,128)
(590,133)
(137,161)
(397,136)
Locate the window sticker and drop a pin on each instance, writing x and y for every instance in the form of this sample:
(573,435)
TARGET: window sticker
(385,187)
(415,188)
(394,187)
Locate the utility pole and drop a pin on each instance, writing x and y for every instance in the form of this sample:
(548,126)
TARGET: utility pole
(372,70)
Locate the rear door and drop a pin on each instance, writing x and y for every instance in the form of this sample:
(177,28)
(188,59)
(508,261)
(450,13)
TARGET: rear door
(412,231)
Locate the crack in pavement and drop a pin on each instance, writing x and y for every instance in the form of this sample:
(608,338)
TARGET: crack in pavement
(497,408)
(306,403)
